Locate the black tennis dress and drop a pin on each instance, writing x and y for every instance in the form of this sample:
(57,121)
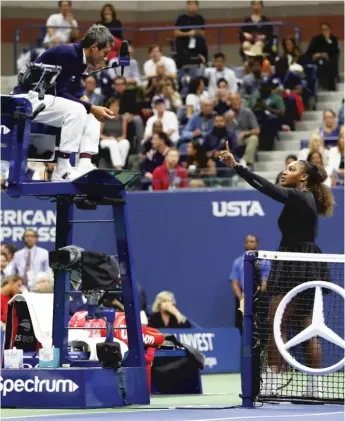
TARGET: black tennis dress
(298,223)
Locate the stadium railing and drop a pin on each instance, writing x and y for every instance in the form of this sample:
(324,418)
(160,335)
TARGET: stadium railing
(37,30)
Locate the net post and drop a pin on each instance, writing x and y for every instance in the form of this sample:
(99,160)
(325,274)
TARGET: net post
(247,336)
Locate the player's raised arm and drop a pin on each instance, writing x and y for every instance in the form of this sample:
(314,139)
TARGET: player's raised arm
(277,193)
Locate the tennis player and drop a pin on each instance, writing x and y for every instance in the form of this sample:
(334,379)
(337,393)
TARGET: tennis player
(304,197)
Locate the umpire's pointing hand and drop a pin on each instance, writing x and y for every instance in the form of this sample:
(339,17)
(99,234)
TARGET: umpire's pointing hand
(101,113)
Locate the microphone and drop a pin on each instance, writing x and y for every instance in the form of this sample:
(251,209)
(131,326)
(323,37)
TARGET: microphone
(124,58)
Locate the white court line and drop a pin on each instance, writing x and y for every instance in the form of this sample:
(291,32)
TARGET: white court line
(272,416)
(79,413)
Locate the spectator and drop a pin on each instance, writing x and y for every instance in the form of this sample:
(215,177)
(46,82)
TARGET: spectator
(160,71)
(90,88)
(329,128)
(316,144)
(244,123)
(286,79)
(220,71)
(198,164)
(237,276)
(129,106)
(109,20)
(61,27)
(10,287)
(168,119)
(3,265)
(324,52)
(215,141)
(156,156)
(157,127)
(222,99)
(173,101)
(30,55)
(251,82)
(261,35)
(316,159)
(154,88)
(114,136)
(165,314)
(290,86)
(190,42)
(200,123)
(291,50)
(170,175)
(197,94)
(288,160)
(341,115)
(43,284)
(336,160)
(269,109)
(30,260)
(150,66)
(255,52)
(9,250)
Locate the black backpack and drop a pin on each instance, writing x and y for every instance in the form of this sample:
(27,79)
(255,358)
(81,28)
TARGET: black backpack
(170,374)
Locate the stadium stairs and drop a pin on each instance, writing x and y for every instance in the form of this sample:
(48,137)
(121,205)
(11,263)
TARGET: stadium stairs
(271,163)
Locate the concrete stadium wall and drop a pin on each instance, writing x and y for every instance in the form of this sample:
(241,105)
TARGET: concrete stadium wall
(306,15)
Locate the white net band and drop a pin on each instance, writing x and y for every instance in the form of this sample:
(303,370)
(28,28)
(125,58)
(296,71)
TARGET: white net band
(301,257)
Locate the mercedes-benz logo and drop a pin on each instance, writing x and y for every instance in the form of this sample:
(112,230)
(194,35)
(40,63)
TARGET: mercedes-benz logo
(317,328)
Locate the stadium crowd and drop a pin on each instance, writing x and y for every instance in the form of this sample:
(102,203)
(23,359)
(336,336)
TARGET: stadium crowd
(173,118)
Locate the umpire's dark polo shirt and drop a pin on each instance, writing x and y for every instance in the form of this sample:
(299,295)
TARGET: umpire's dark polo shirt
(73,62)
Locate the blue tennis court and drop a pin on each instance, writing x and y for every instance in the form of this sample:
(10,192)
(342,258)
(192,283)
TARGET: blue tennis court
(283,412)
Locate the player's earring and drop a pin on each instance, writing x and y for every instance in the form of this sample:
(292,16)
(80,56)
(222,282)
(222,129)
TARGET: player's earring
(304,185)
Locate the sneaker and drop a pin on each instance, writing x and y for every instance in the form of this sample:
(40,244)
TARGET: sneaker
(85,168)
(66,174)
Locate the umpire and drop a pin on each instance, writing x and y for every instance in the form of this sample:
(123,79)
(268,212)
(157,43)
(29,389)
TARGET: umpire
(67,106)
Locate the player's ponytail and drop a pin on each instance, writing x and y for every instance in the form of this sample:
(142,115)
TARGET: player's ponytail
(322,194)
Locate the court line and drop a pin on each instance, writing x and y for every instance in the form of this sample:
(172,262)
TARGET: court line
(51,415)
(273,416)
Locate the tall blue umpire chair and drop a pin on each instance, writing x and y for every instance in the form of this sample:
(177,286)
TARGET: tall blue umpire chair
(92,386)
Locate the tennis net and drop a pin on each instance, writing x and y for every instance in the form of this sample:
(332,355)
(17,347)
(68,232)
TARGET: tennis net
(293,328)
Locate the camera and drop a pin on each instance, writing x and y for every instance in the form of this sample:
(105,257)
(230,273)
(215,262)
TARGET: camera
(98,271)
(109,354)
